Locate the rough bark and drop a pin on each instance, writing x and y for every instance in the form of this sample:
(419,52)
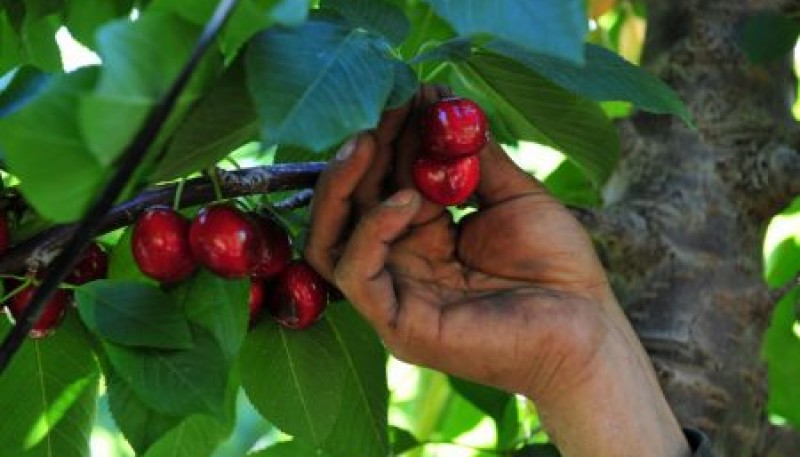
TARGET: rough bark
(690,207)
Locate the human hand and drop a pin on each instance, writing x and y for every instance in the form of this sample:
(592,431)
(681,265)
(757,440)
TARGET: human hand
(513,296)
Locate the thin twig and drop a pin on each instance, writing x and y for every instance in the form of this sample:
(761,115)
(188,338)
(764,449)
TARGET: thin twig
(38,251)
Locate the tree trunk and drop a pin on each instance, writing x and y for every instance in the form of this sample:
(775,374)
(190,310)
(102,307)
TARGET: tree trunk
(686,211)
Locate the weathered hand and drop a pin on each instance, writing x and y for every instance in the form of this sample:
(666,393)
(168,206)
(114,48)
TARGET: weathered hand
(512,296)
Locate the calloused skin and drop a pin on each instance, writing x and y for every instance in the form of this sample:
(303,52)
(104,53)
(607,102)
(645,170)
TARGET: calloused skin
(513,296)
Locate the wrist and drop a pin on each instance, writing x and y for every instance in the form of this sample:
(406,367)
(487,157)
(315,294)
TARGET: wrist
(617,409)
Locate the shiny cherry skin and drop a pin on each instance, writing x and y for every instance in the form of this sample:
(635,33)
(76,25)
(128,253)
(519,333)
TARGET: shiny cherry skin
(92,266)
(276,250)
(447,182)
(226,241)
(53,314)
(453,127)
(299,296)
(161,245)
(256,299)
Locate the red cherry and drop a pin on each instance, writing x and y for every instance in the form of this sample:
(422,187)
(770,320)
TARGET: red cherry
(447,182)
(256,299)
(299,297)
(5,233)
(161,245)
(225,241)
(276,251)
(53,314)
(454,127)
(93,265)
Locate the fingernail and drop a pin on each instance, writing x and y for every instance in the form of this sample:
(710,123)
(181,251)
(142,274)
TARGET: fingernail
(402,198)
(347,149)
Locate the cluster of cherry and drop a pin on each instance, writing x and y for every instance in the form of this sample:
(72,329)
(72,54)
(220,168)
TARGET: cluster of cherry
(234,245)
(454,130)
(92,265)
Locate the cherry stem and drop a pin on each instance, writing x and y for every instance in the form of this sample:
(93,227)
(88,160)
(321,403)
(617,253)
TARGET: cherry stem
(26,281)
(176,202)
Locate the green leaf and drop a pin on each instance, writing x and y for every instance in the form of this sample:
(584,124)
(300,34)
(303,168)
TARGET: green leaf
(10,48)
(325,386)
(85,17)
(25,84)
(553,27)
(535,109)
(538,450)
(197,435)
(141,425)
(781,351)
(220,122)
(605,76)
(47,395)
(402,440)
(249,17)
(316,84)
(179,382)
(289,449)
(768,36)
(405,85)
(568,184)
(375,15)
(783,263)
(141,60)
(38,40)
(43,146)
(491,401)
(219,306)
(133,314)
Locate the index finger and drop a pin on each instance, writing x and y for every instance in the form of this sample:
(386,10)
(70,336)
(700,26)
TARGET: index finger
(332,203)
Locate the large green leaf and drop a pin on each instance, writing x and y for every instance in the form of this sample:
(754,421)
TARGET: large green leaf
(218,305)
(499,405)
(179,382)
(220,122)
(553,27)
(47,396)
(141,60)
(9,43)
(376,15)
(133,314)
(141,425)
(197,435)
(535,109)
(44,147)
(782,352)
(326,385)
(605,76)
(316,84)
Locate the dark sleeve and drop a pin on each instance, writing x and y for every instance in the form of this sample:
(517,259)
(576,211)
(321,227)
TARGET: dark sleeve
(698,442)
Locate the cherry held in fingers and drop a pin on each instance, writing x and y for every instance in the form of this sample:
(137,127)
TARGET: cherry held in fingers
(226,241)
(53,313)
(299,297)
(453,127)
(276,251)
(447,182)
(161,245)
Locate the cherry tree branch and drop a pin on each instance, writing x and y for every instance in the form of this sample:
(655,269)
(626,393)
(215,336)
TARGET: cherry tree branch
(38,251)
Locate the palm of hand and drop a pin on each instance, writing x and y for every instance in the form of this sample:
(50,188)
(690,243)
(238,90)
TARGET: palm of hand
(520,269)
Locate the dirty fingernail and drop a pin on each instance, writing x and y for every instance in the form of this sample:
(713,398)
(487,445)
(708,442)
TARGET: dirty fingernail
(347,149)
